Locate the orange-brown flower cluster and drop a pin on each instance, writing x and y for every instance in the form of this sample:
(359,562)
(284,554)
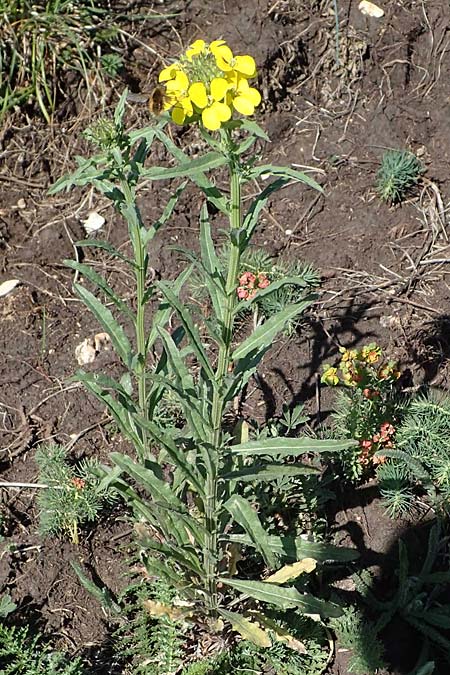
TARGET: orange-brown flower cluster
(382,439)
(250,283)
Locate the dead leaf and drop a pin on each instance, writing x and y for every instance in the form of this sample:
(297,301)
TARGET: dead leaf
(160,609)
(292,571)
(249,630)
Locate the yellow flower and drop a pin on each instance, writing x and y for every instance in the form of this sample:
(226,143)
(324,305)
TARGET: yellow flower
(170,72)
(243,97)
(182,110)
(244,65)
(213,110)
(197,47)
(330,376)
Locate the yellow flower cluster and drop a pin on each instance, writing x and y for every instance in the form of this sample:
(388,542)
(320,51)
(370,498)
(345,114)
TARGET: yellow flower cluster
(209,83)
(359,369)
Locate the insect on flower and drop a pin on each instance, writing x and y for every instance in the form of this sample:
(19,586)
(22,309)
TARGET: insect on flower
(157,100)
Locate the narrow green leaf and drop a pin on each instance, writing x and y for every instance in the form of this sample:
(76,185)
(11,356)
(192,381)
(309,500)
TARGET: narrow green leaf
(164,311)
(121,410)
(159,489)
(285,598)
(177,456)
(285,172)
(211,263)
(88,272)
(268,472)
(253,128)
(108,322)
(247,517)
(211,192)
(283,447)
(296,548)
(106,246)
(191,330)
(166,214)
(185,386)
(265,334)
(252,216)
(271,288)
(212,160)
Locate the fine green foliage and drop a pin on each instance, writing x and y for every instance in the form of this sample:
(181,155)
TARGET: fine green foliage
(149,644)
(308,657)
(421,596)
(73,496)
(356,633)
(22,654)
(399,172)
(420,463)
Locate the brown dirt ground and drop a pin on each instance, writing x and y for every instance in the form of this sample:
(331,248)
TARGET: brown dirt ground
(381,280)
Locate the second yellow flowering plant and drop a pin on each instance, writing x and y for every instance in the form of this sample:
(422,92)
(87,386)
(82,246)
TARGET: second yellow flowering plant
(191,516)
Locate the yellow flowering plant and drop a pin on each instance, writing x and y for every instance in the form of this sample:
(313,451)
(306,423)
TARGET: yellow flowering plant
(367,408)
(189,527)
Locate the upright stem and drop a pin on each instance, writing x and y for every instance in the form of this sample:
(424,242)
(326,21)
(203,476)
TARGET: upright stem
(218,404)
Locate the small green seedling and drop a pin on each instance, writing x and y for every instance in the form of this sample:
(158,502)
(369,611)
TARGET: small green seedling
(399,172)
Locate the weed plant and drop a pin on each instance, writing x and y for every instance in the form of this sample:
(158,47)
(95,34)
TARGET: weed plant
(23,654)
(190,514)
(420,598)
(400,171)
(73,496)
(419,465)
(356,633)
(367,407)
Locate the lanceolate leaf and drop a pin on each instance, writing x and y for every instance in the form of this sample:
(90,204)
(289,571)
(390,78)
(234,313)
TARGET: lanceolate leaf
(249,630)
(271,288)
(210,261)
(265,334)
(108,322)
(159,489)
(166,214)
(296,548)
(177,456)
(106,246)
(162,314)
(285,172)
(283,447)
(285,598)
(88,272)
(252,216)
(268,472)
(190,329)
(212,160)
(211,192)
(246,516)
(120,408)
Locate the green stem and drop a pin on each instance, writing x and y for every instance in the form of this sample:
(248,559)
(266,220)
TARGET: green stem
(218,404)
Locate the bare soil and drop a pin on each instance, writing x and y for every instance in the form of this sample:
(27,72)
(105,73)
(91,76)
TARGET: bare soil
(384,269)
